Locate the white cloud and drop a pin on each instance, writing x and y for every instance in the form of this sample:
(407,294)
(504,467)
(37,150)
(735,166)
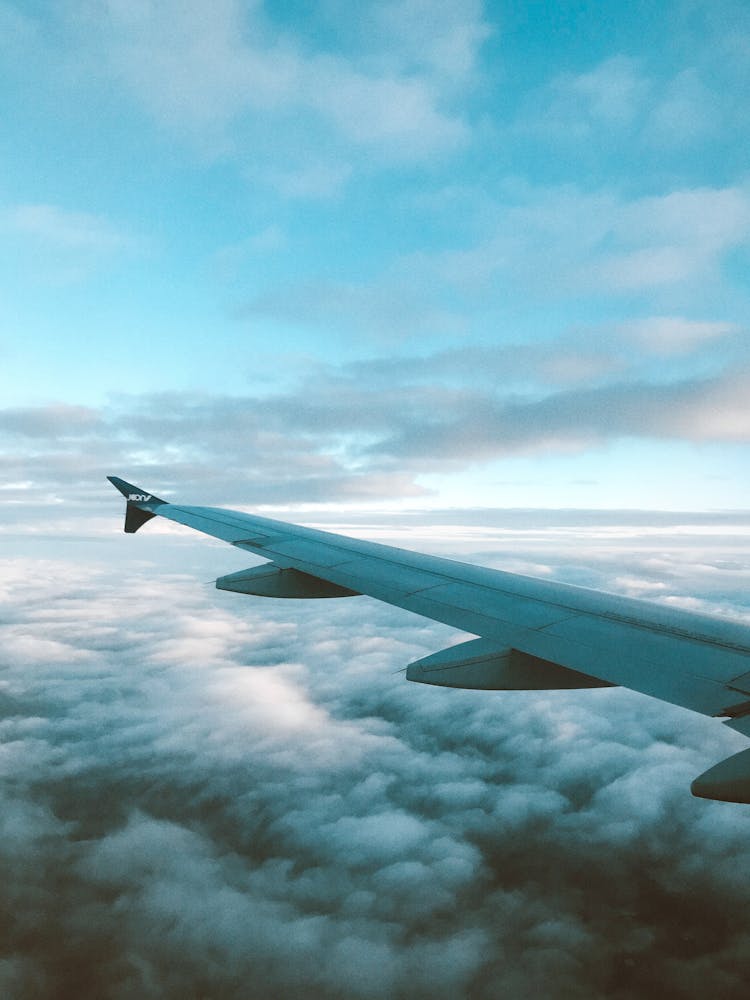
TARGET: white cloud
(191,65)
(716,217)
(384,112)
(57,229)
(163,811)
(612,95)
(564,240)
(390,309)
(687,112)
(668,335)
(61,420)
(59,245)
(215,72)
(651,107)
(720,410)
(441,34)
(310,179)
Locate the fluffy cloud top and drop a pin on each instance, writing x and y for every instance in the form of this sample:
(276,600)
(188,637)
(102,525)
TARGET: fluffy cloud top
(202,791)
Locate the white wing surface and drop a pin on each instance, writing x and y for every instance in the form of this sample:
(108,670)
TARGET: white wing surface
(532,634)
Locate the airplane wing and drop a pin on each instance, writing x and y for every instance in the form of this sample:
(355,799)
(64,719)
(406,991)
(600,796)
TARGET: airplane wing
(531,634)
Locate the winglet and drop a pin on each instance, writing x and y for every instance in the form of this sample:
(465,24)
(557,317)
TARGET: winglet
(140,504)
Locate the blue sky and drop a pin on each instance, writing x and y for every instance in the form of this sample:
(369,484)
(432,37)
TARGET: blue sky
(423,252)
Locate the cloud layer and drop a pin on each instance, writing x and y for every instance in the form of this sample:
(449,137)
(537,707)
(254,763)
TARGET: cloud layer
(202,791)
(370,429)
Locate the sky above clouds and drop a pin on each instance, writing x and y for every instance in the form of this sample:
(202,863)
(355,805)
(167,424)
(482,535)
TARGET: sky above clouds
(468,277)
(488,253)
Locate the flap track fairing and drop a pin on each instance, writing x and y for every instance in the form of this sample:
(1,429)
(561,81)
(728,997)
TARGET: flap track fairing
(480,665)
(273,581)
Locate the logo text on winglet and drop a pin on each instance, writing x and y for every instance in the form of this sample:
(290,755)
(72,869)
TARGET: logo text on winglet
(139,497)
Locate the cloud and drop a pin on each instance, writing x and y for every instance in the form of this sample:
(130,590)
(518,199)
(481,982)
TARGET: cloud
(662,104)
(50,225)
(192,67)
(217,75)
(382,112)
(668,335)
(311,179)
(439,38)
(367,430)
(391,309)
(609,96)
(687,112)
(564,240)
(668,254)
(675,237)
(61,245)
(61,421)
(203,791)
(570,360)
(479,426)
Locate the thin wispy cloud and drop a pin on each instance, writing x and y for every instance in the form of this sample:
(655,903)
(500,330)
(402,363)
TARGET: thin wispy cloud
(668,335)
(207,73)
(563,241)
(52,226)
(60,245)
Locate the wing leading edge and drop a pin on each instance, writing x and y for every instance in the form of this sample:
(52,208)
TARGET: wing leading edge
(533,634)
